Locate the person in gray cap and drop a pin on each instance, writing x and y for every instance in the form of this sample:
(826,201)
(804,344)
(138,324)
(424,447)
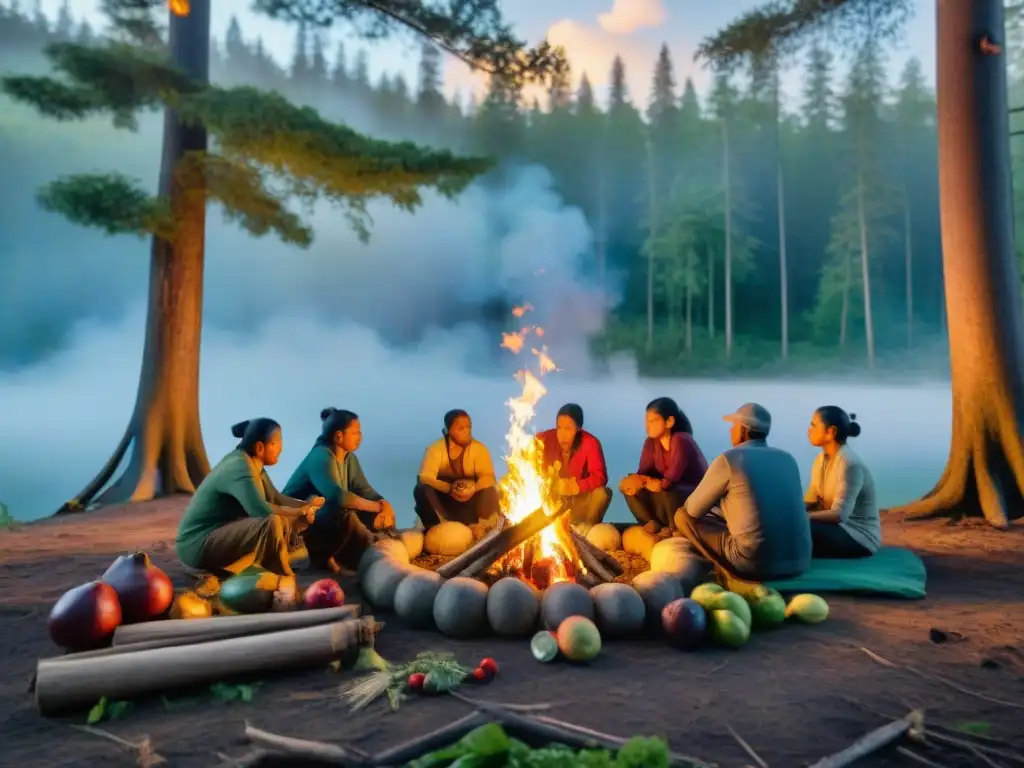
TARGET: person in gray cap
(759,496)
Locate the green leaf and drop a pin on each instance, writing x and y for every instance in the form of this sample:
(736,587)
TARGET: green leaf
(108,710)
(487,740)
(236,692)
(111,202)
(975,727)
(118,709)
(96,713)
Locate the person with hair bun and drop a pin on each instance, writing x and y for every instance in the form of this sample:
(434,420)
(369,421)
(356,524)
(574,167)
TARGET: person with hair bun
(840,499)
(237,514)
(582,474)
(353,509)
(456,480)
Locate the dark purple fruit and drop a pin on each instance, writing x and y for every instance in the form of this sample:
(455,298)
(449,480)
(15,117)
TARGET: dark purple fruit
(685,623)
(145,592)
(85,617)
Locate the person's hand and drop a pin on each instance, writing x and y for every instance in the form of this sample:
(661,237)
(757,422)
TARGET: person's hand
(316,502)
(631,484)
(652,484)
(308,514)
(462,490)
(568,486)
(385,518)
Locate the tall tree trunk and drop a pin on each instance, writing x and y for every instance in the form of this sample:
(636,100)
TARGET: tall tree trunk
(780,192)
(845,312)
(689,300)
(652,214)
(711,293)
(908,263)
(985,470)
(163,433)
(727,182)
(865,269)
(602,225)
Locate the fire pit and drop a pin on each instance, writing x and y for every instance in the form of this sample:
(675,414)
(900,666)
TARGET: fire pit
(531,569)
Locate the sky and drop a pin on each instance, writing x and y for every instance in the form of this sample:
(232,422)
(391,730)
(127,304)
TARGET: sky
(592,32)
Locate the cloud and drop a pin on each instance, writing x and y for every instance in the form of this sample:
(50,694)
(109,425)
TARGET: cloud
(627,16)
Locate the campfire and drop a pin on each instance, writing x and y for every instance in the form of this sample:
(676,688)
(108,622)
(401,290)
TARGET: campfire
(535,542)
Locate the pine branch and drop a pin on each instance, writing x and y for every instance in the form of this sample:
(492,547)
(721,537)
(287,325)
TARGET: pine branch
(785,25)
(111,202)
(473,31)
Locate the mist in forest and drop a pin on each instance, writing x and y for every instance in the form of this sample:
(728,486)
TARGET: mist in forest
(399,329)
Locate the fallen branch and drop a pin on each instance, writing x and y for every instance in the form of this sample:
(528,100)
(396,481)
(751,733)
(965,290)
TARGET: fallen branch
(511,707)
(587,555)
(873,741)
(145,755)
(981,751)
(919,759)
(310,750)
(747,748)
(945,681)
(442,737)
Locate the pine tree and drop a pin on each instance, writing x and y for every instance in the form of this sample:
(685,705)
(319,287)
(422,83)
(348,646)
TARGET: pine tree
(256,135)
(65,28)
(318,63)
(819,97)
(430,103)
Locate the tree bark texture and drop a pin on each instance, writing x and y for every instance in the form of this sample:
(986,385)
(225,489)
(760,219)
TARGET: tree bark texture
(780,191)
(727,182)
(865,271)
(985,470)
(652,213)
(163,435)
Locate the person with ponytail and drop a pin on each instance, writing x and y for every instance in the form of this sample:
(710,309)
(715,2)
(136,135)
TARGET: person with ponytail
(840,499)
(353,509)
(456,480)
(237,517)
(582,474)
(671,466)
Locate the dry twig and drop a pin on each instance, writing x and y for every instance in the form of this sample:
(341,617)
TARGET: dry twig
(873,741)
(945,681)
(146,757)
(319,750)
(919,759)
(511,707)
(747,748)
(980,751)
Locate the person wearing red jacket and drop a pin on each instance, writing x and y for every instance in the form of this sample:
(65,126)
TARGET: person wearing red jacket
(583,474)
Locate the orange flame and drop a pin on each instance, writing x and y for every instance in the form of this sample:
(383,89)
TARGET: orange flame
(179,7)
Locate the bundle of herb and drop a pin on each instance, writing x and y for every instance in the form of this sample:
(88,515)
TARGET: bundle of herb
(442,673)
(490,747)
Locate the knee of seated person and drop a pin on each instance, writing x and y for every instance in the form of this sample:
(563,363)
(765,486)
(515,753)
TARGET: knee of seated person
(681,519)
(603,495)
(276,526)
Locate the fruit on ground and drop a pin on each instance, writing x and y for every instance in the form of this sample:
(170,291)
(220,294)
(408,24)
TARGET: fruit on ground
(143,590)
(490,665)
(563,600)
(513,606)
(728,629)
(249,591)
(413,542)
(657,590)
(381,582)
(637,541)
(416,680)
(449,538)
(460,608)
(685,623)
(619,610)
(544,646)
(703,592)
(579,639)
(730,601)
(605,536)
(383,549)
(807,608)
(414,598)
(769,611)
(325,593)
(85,617)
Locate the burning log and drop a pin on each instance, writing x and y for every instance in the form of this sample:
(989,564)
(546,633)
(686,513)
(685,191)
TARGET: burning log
(595,560)
(454,566)
(484,553)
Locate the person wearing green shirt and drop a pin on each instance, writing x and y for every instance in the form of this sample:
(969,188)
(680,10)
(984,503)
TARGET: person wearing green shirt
(236,511)
(353,509)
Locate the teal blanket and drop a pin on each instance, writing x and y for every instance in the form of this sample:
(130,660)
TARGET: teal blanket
(890,571)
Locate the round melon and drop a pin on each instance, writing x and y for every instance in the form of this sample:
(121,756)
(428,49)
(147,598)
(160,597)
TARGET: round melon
(413,543)
(460,608)
(618,609)
(544,646)
(249,591)
(728,629)
(657,590)
(605,537)
(385,549)
(685,623)
(512,607)
(563,600)
(702,593)
(578,639)
(637,541)
(414,598)
(808,608)
(768,612)
(381,582)
(730,601)
(448,539)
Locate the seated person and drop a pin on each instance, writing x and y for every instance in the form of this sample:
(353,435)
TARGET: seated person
(583,474)
(671,466)
(757,489)
(456,479)
(237,512)
(841,497)
(353,510)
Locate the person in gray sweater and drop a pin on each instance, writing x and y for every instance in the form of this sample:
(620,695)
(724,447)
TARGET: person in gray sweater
(761,530)
(840,499)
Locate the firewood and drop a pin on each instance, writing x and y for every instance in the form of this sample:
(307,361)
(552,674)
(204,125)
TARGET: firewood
(488,550)
(612,565)
(585,553)
(454,566)
(873,741)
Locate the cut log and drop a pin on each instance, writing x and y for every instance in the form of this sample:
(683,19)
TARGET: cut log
(506,540)
(587,554)
(67,684)
(454,566)
(222,627)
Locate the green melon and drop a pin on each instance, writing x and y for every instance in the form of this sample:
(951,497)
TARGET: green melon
(769,611)
(250,591)
(385,549)
(381,581)
(808,608)
(460,608)
(563,600)
(618,609)
(414,598)
(579,639)
(657,590)
(728,629)
(730,601)
(512,607)
(704,592)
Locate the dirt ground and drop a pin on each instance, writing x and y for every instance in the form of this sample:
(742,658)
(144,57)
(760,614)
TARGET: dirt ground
(793,695)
